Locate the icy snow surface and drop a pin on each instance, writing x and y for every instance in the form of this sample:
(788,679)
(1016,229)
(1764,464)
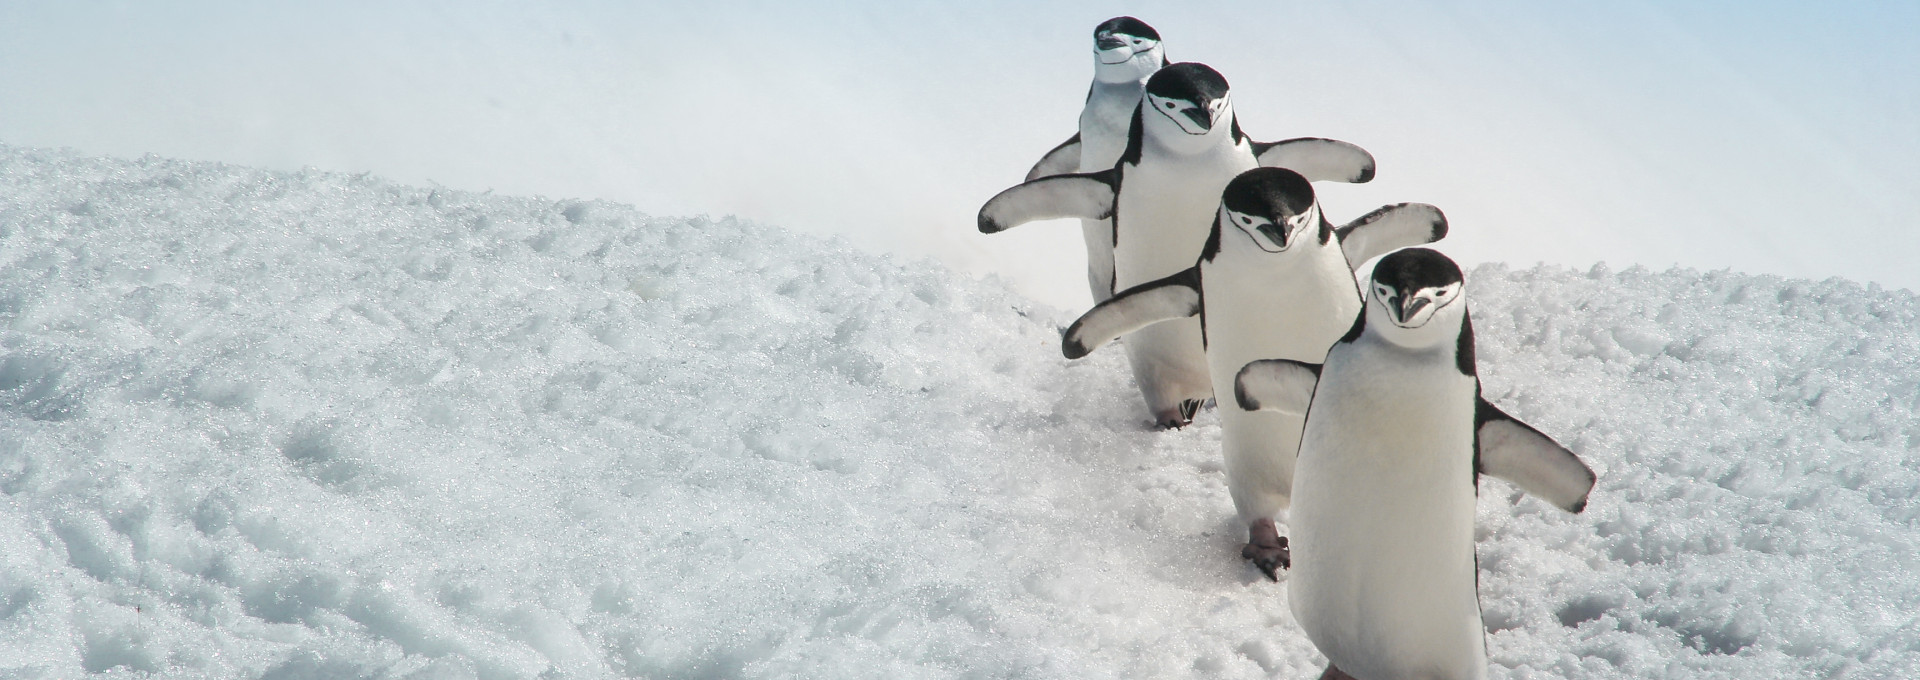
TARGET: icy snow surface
(307,425)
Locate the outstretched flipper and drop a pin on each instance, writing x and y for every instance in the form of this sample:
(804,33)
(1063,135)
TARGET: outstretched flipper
(1514,451)
(1061,160)
(1282,385)
(1084,195)
(1173,297)
(1390,228)
(1317,159)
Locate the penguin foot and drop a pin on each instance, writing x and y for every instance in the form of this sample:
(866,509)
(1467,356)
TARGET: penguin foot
(1267,548)
(1180,416)
(1173,418)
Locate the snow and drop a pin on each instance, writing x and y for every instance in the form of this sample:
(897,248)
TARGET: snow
(301,425)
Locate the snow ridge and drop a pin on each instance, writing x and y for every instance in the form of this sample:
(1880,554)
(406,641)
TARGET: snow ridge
(288,425)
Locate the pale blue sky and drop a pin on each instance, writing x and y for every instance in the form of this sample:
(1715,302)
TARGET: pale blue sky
(1765,137)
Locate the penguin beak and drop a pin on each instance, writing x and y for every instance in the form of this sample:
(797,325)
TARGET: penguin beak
(1277,232)
(1412,305)
(1202,116)
(1105,43)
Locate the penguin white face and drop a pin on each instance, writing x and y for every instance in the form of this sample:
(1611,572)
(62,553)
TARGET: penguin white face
(1414,308)
(1414,299)
(1193,118)
(1271,236)
(1274,207)
(1192,96)
(1118,48)
(1121,40)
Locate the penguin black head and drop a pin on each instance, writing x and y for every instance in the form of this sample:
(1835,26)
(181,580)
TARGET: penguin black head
(1124,27)
(1126,50)
(1192,95)
(1124,33)
(1413,298)
(1273,206)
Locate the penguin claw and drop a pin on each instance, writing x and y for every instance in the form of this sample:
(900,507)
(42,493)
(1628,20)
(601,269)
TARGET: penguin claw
(1269,559)
(1267,548)
(1181,415)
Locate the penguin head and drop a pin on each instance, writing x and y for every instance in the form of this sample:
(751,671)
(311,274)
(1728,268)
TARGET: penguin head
(1415,298)
(1273,206)
(1126,49)
(1190,95)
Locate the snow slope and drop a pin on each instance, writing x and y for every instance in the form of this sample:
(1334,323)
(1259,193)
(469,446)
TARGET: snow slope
(304,425)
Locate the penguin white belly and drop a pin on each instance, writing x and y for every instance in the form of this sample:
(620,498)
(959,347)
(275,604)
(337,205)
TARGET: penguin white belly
(1104,122)
(1098,235)
(1383,578)
(1164,211)
(1103,137)
(1261,305)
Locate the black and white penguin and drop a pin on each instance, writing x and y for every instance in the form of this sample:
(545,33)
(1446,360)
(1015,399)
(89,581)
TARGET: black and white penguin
(1184,145)
(1384,579)
(1274,280)
(1126,51)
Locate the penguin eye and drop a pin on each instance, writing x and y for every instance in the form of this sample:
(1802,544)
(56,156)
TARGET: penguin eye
(1169,105)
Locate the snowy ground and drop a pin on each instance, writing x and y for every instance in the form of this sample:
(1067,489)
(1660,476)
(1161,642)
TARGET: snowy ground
(307,425)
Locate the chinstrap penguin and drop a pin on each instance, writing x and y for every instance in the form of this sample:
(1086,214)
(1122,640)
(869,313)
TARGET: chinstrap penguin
(1184,145)
(1384,579)
(1125,52)
(1274,280)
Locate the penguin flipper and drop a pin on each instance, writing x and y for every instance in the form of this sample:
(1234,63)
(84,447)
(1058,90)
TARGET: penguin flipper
(1317,159)
(1514,451)
(1087,196)
(1061,160)
(1282,385)
(1390,228)
(1173,297)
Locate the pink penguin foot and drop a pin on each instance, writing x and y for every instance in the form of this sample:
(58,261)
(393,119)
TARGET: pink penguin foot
(1180,416)
(1267,548)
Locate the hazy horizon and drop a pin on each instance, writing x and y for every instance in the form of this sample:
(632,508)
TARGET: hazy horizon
(1771,139)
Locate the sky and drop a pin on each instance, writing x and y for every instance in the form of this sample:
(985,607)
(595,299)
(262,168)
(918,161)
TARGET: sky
(1774,137)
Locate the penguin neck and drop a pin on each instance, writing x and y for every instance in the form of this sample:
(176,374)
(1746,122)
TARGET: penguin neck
(1439,334)
(1168,138)
(1134,71)
(1236,245)
(1123,94)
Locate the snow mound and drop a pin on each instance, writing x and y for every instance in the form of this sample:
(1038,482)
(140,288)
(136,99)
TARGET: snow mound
(301,425)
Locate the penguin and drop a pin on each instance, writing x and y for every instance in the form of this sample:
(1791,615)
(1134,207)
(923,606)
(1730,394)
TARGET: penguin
(1275,279)
(1184,144)
(1384,578)
(1125,52)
